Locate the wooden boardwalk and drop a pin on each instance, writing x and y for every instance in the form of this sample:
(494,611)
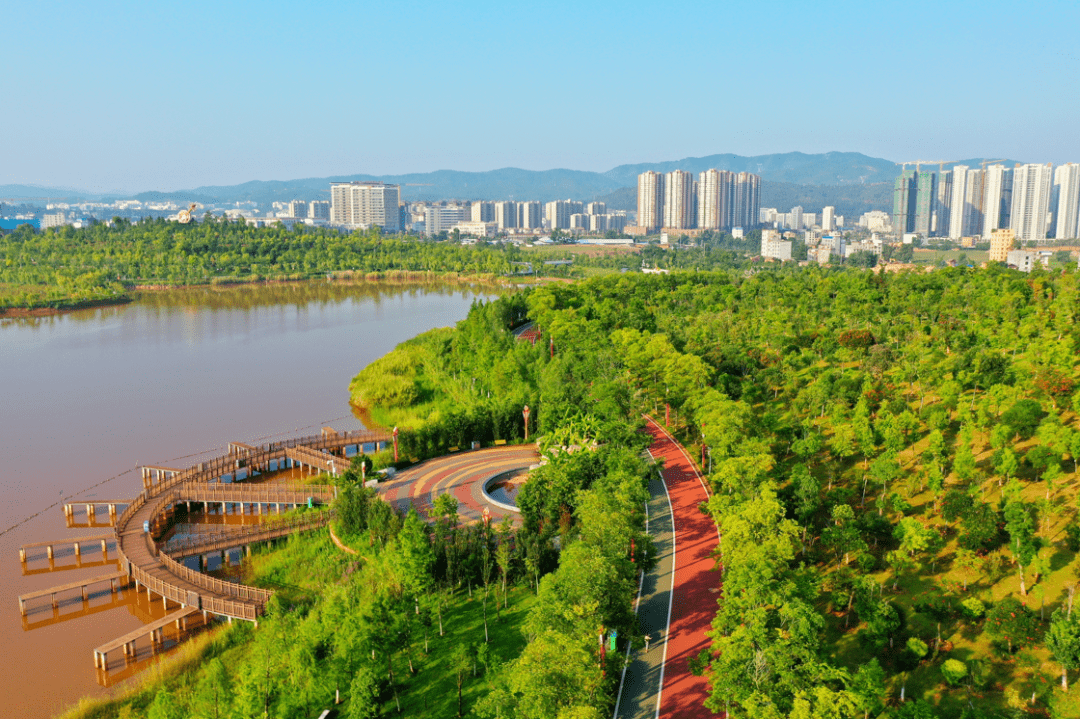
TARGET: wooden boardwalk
(152,630)
(80,584)
(142,561)
(233,538)
(76,543)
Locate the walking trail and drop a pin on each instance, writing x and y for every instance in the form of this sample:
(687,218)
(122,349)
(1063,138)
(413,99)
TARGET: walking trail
(658,682)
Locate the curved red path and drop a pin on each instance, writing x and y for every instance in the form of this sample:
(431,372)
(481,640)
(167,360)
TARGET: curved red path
(696,583)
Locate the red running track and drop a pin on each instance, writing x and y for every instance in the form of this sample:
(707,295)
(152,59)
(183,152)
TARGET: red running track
(696,584)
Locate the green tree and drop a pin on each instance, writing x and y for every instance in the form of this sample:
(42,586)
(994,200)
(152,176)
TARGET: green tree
(213,693)
(1020,524)
(364,694)
(1013,622)
(1063,641)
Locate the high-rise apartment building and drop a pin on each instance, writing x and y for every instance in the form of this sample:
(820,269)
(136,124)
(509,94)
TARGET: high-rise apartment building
(365,204)
(940,214)
(957,198)
(746,200)
(1065,201)
(828,219)
(972,223)
(925,198)
(482,212)
(904,195)
(650,200)
(714,200)
(997,199)
(531,215)
(558,212)
(319,210)
(438,218)
(298,208)
(596,208)
(506,215)
(679,200)
(1030,201)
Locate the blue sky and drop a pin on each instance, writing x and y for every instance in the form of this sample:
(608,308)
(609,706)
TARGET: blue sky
(153,95)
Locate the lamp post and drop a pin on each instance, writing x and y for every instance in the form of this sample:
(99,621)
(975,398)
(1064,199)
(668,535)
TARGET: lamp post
(395,444)
(525,414)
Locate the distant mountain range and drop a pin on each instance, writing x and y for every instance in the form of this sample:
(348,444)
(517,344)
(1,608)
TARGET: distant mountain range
(851,181)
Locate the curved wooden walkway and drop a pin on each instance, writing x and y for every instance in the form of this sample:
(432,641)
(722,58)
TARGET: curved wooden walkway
(152,568)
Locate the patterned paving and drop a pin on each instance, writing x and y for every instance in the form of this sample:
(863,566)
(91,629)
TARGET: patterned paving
(463,474)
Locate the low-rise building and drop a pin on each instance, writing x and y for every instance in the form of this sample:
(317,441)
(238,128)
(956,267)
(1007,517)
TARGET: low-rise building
(1001,241)
(774,247)
(480,229)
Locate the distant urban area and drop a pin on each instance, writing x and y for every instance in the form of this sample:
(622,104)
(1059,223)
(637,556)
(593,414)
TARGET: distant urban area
(1012,212)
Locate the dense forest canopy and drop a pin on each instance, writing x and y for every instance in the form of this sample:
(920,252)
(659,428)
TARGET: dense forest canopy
(892,461)
(69,265)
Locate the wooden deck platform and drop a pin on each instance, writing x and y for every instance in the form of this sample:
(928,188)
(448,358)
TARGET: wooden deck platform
(80,584)
(75,541)
(127,642)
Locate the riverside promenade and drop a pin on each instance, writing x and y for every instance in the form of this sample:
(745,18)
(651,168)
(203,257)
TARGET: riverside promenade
(678,598)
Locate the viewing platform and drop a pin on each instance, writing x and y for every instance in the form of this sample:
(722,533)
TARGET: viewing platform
(152,630)
(76,542)
(92,506)
(82,584)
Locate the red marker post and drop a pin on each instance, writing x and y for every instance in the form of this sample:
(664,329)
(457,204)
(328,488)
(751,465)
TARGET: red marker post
(395,444)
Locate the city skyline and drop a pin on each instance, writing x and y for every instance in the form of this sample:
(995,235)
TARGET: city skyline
(171,101)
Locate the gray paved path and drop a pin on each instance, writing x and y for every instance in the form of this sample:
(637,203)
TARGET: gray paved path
(640,688)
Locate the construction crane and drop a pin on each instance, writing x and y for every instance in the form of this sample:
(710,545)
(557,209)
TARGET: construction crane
(184,216)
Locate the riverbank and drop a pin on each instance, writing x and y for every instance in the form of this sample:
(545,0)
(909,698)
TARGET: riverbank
(387,279)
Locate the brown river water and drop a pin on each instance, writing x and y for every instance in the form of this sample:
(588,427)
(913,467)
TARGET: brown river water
(167,380)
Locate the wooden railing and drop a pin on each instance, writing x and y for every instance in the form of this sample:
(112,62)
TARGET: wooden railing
(194,483)
(213,584)
(255,493)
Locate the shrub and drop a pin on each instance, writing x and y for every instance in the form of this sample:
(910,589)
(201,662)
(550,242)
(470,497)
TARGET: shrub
(972,609)
(953,670)
(917,647)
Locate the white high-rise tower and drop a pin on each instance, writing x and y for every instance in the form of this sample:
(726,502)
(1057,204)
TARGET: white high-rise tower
(650,200)
(679,200)
(1030,202)
(997,199)
(1065,201)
